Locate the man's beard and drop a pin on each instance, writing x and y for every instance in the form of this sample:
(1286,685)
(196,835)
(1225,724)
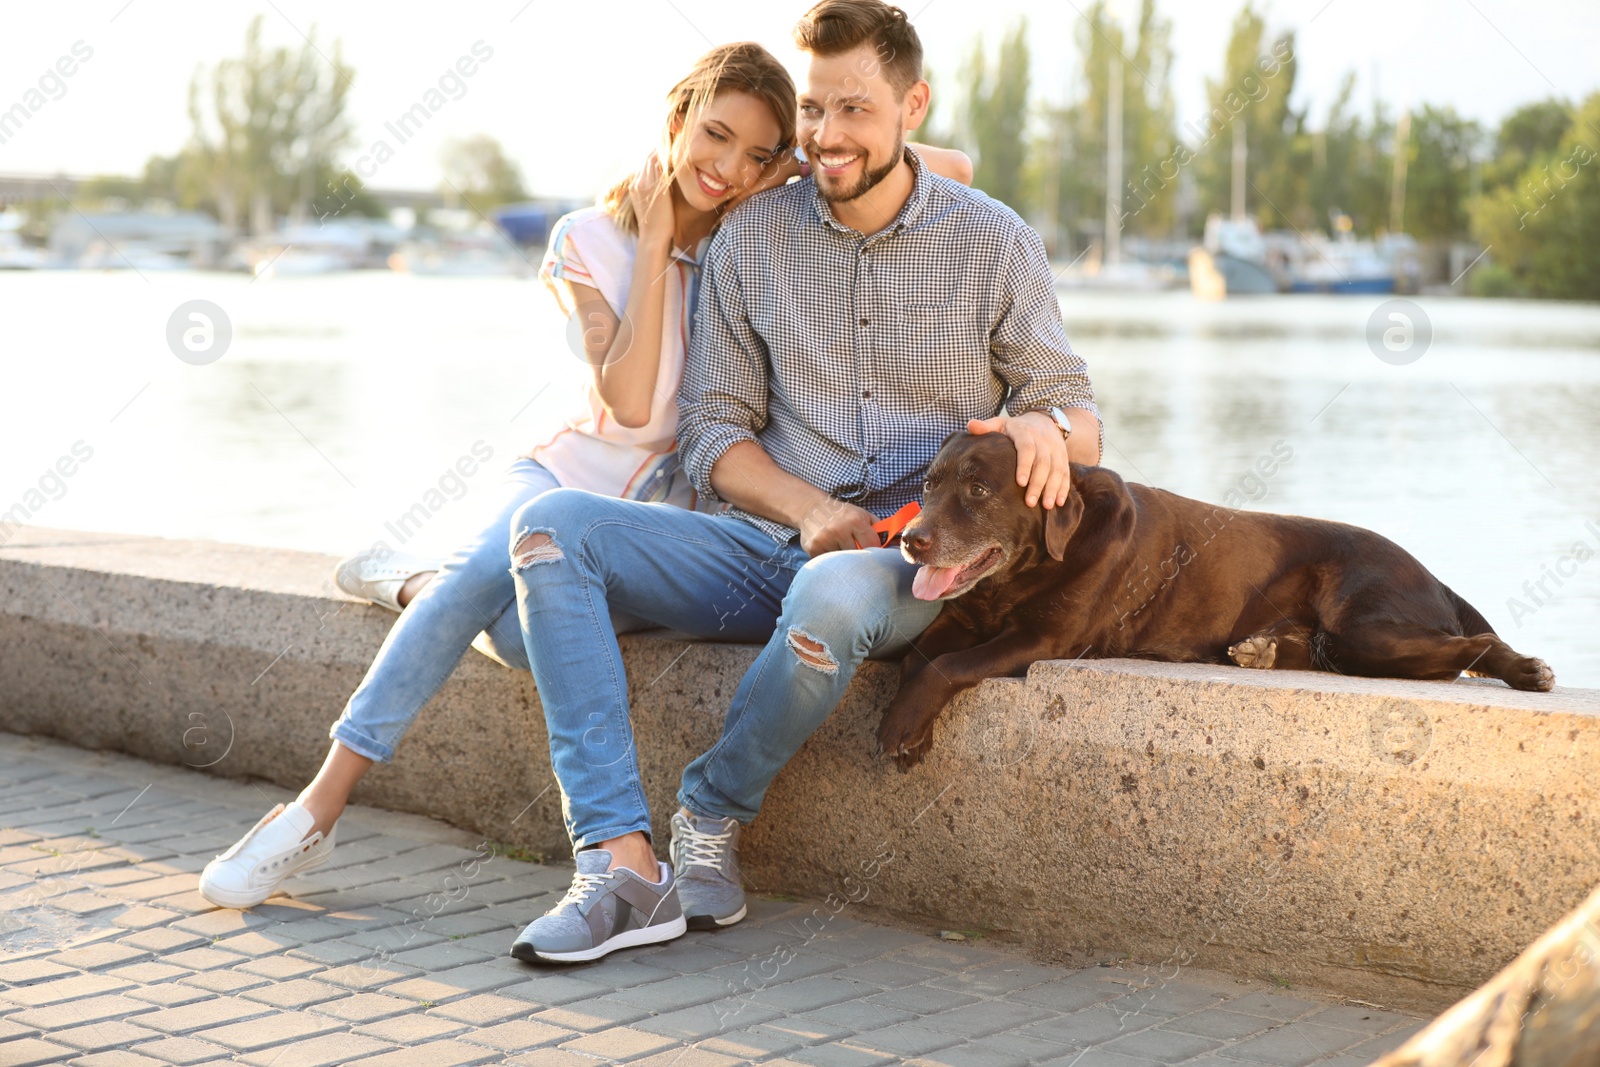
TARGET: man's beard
(869,178)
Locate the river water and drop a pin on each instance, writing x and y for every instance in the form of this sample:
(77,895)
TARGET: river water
(345,401)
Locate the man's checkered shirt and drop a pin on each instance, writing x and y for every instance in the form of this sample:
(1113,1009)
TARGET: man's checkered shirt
(849,359)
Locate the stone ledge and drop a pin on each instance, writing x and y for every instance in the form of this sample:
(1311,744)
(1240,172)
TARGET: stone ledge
(1392,841)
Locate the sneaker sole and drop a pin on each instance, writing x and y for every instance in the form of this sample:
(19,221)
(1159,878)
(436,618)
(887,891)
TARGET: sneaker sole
(711,922)
(224,899)
(645,935)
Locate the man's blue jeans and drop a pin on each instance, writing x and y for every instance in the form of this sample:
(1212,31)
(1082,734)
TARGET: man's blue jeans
(706,576)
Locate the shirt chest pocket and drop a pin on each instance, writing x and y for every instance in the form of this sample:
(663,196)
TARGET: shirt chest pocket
(939,341)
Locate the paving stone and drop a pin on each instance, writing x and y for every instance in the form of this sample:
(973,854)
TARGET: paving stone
(295,993)
(1270,1006)
(855,1016)
(100,955)
(99,1036)
(1222,1025)
(147,973)
(213,1011)
(27,1051)
(886,974)
(671,994)
(1070,993)
(754,1043)
(1096,1057)
(807,994)
(279,967)
(597,1013)
(200,959)
(518,1035)
(984,1018)
(1164,1046)
(328,1050)
(373,974)
(549,990)
(1294,1044)
(906,1039)
(553,1057)
(76,1012)
(1168,998)
(834,1055)
(273,1029)
(433,1054)
(694,1056)
(483,1009)
(1361,1020)
(27,972)
(72,987)
(921,999)
(707,1020)
(116,1058)
(181,1050)
(1088,1027)
(997,978)
(410,1028)
(225,981)
(449,984)
(619,1043)
(168,994)
(966,1056)
(163,939)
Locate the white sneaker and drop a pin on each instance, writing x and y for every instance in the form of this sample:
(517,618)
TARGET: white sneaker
(280,845)
(378,575)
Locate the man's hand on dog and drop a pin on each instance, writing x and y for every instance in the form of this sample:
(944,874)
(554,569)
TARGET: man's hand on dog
(833,525)
(1042,463)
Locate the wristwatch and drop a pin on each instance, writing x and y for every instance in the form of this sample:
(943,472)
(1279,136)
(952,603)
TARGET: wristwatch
(1059,417)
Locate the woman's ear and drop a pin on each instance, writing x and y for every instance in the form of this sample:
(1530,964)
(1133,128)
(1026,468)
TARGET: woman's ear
(1059,523)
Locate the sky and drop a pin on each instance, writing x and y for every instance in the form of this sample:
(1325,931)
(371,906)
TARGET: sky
(574,90)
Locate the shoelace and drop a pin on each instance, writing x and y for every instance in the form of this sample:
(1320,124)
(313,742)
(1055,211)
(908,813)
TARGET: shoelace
(582,886)
(701,849)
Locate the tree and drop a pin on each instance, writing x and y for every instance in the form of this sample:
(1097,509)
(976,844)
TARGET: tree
(1438,173)
(476,168)
(1544,230)
(1532,131)
(276,124)
(1069,172)
(995,117)
(1253,91)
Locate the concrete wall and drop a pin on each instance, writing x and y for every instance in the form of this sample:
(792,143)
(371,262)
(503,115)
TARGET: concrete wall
(1393,841)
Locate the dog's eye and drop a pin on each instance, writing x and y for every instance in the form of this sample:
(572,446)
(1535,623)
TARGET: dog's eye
(978,489)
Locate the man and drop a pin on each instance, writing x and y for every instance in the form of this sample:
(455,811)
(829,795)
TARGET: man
(846,324)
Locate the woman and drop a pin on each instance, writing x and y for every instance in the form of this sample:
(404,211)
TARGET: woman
(729,129)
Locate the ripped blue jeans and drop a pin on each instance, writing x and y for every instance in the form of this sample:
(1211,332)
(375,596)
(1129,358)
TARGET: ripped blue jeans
(471,602)
(579,557)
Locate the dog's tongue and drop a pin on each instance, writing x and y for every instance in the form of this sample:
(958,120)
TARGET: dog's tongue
(930,582)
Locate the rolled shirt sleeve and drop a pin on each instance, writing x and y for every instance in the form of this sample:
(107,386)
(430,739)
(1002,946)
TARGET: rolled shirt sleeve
(1028,345)
(723,399)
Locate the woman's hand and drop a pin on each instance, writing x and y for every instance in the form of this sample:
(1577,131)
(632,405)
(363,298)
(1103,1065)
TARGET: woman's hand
(779,169)
(652,201)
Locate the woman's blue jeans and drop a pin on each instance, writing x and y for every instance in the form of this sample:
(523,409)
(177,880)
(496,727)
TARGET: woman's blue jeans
(471,601)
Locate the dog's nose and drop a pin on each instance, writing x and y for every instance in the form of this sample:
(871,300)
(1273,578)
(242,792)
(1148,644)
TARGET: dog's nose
(918,541)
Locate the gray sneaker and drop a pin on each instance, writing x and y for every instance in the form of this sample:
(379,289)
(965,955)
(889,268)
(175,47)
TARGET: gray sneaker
(705,858)
(603,911)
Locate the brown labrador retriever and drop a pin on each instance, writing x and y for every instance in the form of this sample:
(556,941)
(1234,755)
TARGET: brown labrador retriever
(1126,570)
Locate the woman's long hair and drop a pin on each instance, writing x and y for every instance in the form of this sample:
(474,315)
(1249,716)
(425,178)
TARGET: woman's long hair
(746,67)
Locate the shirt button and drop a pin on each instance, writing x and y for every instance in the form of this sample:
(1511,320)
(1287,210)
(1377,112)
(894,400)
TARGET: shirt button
(863,322)
(866,394)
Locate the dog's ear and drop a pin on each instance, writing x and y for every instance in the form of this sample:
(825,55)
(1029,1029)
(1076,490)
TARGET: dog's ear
(1059,522)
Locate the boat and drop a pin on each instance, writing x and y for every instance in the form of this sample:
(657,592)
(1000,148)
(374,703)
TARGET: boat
(1232,261)
(14,255)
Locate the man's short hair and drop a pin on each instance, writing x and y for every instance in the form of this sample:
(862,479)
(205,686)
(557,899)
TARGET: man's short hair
(837,26)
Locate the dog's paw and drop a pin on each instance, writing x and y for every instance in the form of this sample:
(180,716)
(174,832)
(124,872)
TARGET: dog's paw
(904,740)
(1531,673)
(1259,652)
